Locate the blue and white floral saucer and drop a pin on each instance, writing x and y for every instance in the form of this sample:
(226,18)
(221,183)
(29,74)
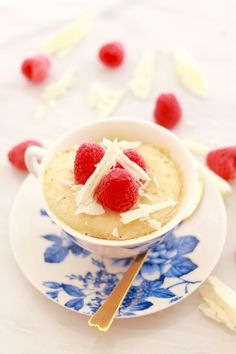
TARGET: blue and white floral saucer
(81,281)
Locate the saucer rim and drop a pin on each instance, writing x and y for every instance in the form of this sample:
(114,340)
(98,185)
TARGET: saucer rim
(140,313)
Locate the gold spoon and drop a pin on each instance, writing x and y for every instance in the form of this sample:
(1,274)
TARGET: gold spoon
(104,316)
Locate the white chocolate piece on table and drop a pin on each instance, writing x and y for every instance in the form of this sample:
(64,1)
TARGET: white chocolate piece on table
(104,99)
(142,80)
(62,42)
(189,73)
(219,302)
(59,88)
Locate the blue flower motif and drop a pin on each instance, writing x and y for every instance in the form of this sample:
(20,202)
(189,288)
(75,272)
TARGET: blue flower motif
(52,284)
(133,302)
(168,258)
(61,247)
(53,294)
(76,303)
(43,212)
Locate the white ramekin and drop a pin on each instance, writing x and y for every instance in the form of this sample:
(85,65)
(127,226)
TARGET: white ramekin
(125,129)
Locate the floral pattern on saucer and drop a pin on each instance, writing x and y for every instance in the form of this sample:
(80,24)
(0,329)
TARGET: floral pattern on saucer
(163,277)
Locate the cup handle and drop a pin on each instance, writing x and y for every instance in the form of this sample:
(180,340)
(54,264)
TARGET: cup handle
(33,157)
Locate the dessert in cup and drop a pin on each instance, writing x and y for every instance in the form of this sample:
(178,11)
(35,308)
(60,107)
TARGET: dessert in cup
(116,186)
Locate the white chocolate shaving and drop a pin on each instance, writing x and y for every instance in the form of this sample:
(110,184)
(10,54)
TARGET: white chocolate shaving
(67,182)
(145,218)
(103,99)
(143,184)
(135,170)
(76,187)
(143,76)
(154,224)
(63,41)
(190,74)
(59,88)
(115,232)
(146,195)
(91,208)
(70,183)
(219,302)
(155,180)
(145,210)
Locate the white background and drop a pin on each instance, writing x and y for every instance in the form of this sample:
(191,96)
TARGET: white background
(29,323)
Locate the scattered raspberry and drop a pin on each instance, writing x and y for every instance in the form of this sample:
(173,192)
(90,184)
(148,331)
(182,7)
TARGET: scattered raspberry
(117,191)
(87,157)
(223,162)
(17,154)
(36,69)
(112,54)
(167,111)
(136,157)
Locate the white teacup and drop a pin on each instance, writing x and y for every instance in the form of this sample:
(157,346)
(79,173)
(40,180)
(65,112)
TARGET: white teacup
(125,129)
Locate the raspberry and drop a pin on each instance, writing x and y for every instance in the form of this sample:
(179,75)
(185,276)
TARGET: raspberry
(112,54)
(167,111)
(117,191)
(87,157)
(17,154)
(223,162)
(136,157)
(36,69)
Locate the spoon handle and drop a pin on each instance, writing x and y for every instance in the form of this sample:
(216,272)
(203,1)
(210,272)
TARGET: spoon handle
(104,316)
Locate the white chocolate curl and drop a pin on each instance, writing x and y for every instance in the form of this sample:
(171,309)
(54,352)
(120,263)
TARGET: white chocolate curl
(145,210)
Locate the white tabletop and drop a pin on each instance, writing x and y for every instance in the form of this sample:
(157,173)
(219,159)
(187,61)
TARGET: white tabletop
(29,323)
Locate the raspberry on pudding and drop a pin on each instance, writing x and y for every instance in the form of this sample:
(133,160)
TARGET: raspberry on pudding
(136,157)
(117,190)
(86,158)
(113,189)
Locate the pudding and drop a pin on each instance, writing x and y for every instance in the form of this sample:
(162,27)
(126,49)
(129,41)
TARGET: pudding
(158,201)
